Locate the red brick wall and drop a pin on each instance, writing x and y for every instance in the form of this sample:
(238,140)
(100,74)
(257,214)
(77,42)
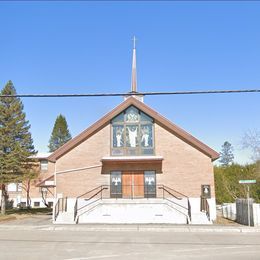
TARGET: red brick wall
(184,167)
(88,153)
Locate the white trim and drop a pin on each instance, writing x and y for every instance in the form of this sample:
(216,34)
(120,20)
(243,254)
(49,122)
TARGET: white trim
(80,169)
(131,158)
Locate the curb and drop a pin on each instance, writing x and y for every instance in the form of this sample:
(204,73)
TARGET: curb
(135,228)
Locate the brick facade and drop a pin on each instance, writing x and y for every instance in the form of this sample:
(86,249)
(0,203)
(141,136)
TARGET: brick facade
(185,164)
(184,168)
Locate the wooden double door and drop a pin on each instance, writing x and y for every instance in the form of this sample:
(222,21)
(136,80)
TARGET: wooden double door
(133,184)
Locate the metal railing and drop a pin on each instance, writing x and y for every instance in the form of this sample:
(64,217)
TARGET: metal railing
(132,192)
(204,207)
(176,194)
(89,195)
(61,206)
(179,196)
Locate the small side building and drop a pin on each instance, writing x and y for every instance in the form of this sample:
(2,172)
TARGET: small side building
(41,189)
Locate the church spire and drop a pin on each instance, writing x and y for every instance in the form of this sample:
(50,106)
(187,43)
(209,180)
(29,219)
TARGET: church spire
(134,78)
(133,92)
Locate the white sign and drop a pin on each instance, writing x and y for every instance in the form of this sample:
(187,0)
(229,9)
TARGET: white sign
(247,181)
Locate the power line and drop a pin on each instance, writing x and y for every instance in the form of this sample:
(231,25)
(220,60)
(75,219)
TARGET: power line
(132,94)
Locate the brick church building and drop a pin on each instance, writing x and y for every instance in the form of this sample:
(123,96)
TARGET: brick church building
(132,166)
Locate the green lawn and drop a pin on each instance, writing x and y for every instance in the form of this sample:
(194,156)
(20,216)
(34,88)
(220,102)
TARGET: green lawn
(16,213)
(28,211)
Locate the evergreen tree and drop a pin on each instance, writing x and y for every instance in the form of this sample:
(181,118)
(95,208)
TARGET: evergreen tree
(226,154)
(16,144)
(60,134)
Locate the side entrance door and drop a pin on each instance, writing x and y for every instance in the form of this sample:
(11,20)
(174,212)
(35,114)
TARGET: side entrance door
(133,184)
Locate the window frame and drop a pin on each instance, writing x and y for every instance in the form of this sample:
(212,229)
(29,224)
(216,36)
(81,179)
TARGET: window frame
(45,163)
(119,192)
(125,149)
(149,194)
(38,203)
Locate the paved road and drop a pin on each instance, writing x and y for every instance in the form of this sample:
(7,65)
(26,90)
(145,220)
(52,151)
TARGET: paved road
(38,238)
(126,245)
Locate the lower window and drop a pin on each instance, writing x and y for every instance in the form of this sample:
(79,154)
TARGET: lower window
(116,184)
(36,204)
(149,184)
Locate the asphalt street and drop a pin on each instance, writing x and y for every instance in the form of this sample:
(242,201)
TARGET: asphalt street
(37,238)
(75,245)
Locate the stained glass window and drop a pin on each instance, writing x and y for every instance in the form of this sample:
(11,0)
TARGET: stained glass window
(132,133)
(118,135)
(150,184)
(116,184)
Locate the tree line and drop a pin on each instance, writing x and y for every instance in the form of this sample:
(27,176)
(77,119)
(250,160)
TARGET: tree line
(228,174)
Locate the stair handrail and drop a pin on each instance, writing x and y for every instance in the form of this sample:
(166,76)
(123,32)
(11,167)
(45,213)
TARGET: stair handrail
(188,208)
(101,187)
(207,210)
(163,187)
(57,209)
(87,210)
(75,209)
(186,215)
(94,195)
(204,206)
(61,206)
(166,187)
(179,205)
(169,193)
(89,191)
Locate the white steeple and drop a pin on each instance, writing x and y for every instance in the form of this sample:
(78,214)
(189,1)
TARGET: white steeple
(134,76)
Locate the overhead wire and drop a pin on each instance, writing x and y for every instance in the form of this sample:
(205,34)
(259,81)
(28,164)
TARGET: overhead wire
(196,92)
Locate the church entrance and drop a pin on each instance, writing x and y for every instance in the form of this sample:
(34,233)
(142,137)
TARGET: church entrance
(133,184)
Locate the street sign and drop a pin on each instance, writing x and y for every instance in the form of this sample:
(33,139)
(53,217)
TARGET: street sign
(247,181)
(248,196)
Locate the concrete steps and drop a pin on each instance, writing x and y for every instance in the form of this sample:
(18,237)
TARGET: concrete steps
(200,218)
(131,211)
(65,218)
(68,216)
(127,211)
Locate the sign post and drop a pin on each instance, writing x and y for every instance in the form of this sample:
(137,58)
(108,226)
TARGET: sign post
(248,196)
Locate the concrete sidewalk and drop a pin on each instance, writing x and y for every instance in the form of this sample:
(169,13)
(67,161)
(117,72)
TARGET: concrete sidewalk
(133,227)
(44,222)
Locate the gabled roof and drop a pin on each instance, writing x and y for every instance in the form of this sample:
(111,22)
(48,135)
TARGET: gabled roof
(159,119)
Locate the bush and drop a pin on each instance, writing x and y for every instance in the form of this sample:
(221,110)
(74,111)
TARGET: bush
(227,182)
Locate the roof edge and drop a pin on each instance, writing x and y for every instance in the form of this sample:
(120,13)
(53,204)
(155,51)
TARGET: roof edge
(159,119)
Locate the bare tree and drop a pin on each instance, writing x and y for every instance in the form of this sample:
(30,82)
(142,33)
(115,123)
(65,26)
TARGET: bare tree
(251,141)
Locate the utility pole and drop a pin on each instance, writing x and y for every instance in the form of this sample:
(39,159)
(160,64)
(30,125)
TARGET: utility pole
(248,206)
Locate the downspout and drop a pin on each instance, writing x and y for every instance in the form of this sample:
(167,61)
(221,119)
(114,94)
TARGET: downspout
(55,193)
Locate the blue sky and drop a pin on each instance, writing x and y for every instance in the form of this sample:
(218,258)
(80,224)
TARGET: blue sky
(86,47)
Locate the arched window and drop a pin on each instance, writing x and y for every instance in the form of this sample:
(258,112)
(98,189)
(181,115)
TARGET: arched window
(132,133)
